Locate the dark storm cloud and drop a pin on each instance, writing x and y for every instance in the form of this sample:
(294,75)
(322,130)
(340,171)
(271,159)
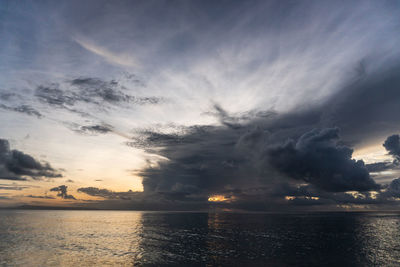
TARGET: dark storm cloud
(23,109)
(230,161)
(392,145)
(16,165)
(393,189)
(218,151)
(202,158)
(316,158)
(62,192)
(234,165)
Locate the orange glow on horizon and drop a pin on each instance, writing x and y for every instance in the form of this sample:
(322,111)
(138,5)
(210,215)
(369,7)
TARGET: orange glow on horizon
(220,198)
(288,198)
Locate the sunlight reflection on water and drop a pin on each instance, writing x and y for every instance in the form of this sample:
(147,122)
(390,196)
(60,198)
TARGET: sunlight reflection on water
(127,238)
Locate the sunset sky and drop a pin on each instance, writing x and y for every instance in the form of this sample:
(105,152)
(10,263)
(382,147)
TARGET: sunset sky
(250,105)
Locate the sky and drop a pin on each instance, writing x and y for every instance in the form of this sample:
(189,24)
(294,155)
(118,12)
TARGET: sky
(198,105)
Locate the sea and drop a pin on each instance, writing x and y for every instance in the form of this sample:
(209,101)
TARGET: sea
(136,238)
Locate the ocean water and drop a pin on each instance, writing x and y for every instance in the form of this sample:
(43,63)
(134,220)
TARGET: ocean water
(132,238)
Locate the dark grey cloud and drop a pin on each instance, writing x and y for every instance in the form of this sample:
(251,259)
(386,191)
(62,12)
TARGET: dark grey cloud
(53,95)
(141,200)
(108,194)
(8,96)
(11,188)
(14,186)
(89,91)
(392,145)
(234,160)
(393,189)
(16,165)
(236,120)
(318,159)
(41,197)
(23,109)
(62,192)
(367,108)
(90,130)
(95,129)
(381,166)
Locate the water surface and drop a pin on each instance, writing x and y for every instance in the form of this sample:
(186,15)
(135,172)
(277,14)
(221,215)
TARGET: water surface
(131,238)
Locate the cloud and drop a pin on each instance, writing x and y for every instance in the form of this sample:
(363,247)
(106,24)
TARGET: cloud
(257,152)
(62,192)
(41,197)
(16,165)
(380,166)
(392,145)
(23,109)
(91,89)
(94,129)
(79,94)
(14,186)
(246,152)
(105,193)
(53,95)
(111,57)
(316,158)
(141,200)
(394,188)
(366,108)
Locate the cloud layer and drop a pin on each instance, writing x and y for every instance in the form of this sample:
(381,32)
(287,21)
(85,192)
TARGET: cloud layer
(16,165)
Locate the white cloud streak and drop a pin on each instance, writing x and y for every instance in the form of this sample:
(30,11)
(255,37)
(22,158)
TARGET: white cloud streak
(126,60)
